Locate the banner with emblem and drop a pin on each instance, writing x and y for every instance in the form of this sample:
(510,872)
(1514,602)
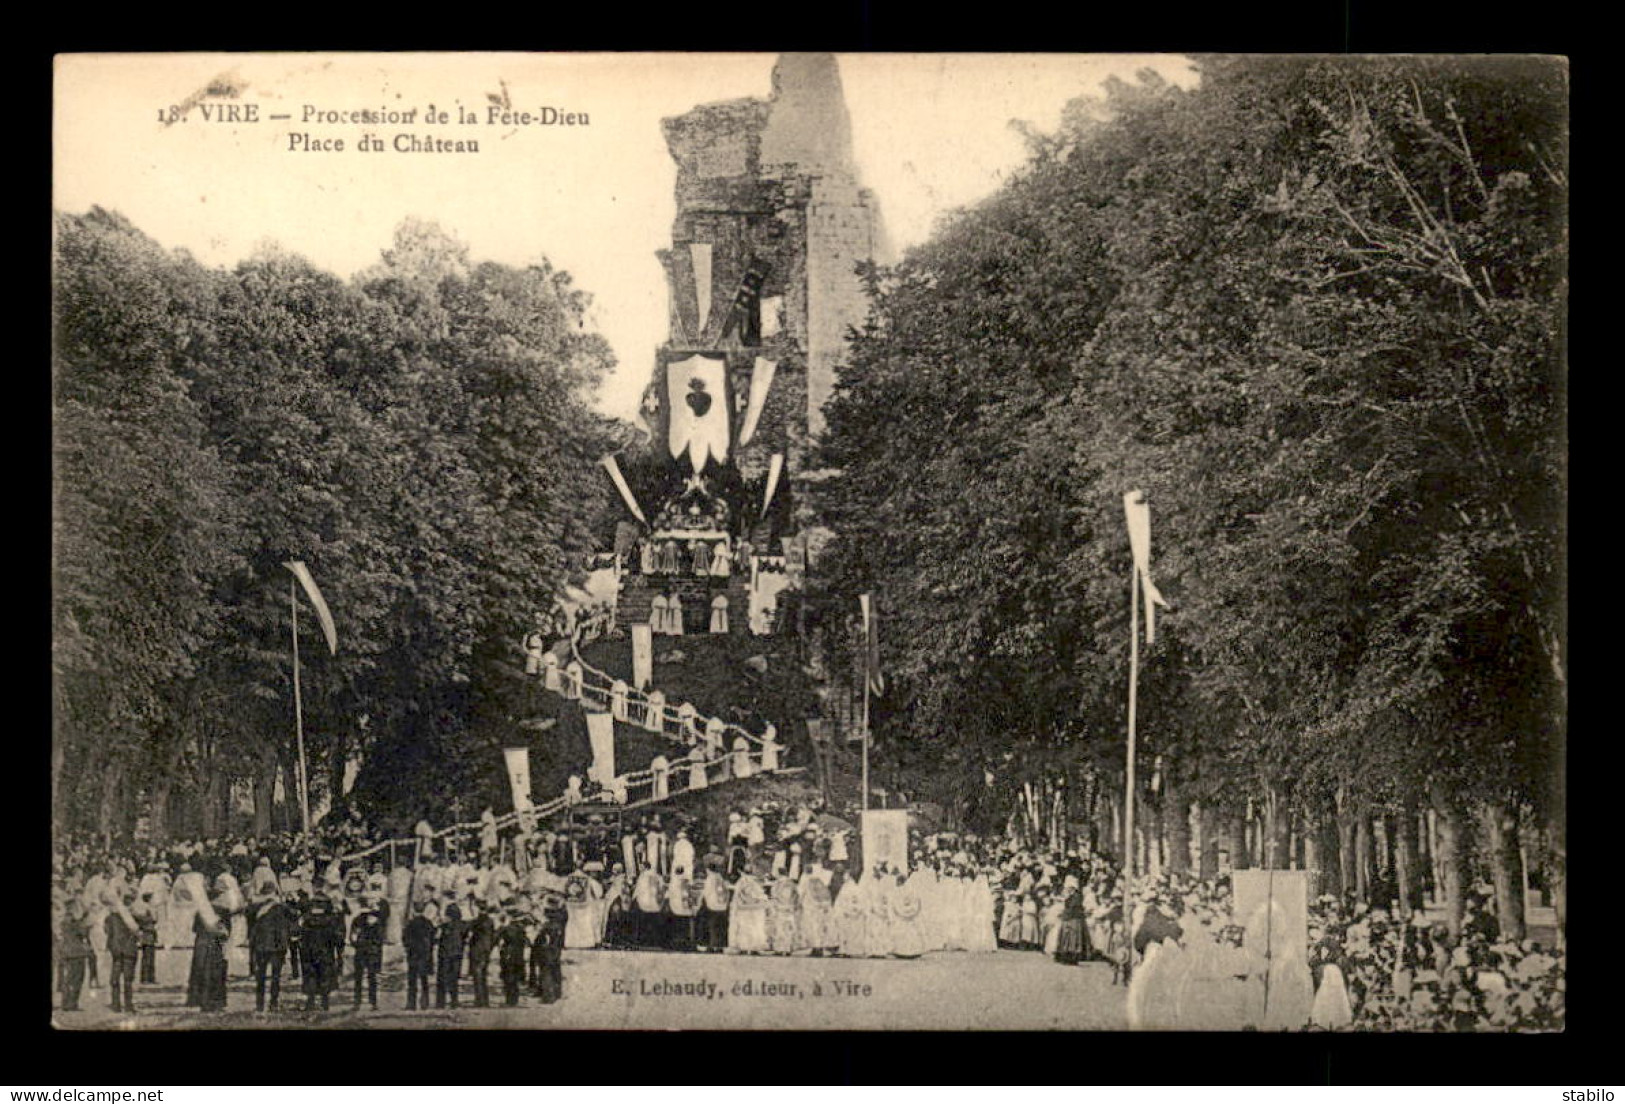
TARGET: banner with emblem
(698,409)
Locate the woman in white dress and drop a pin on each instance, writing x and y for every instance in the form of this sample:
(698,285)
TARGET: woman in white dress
(980,938)
(878,889)
(747,916)
(851,920)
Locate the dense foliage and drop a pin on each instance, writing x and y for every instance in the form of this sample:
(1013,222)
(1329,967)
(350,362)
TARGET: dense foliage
(1315,309)
(419,436)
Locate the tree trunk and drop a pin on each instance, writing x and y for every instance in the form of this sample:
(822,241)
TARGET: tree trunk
(1346,861)
(292,818)
(1236,837)
(158,808)
(1452,859)
(1407,863)
(1501,838)
(264,796)
(107,801)
(210,800)
(1208,822)
(1329,850)
(1279,852)
(1363,857)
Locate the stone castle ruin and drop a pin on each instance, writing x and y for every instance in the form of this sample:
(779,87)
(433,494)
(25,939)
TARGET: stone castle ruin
(771,224)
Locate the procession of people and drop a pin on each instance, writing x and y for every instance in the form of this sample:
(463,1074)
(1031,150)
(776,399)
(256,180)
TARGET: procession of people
(775,880)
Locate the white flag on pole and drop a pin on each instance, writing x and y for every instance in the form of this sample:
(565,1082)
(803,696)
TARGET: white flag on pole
(601,735)
(302,573)
(1138,512)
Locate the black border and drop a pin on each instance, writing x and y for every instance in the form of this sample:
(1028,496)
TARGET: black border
(51,1059)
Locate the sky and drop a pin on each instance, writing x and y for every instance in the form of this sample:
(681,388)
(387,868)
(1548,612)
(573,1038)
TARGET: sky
(931,133)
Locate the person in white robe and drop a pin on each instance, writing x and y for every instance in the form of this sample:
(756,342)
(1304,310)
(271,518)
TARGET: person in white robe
(657,615)
(697,779)
(908,927)
(183,906)
(721,563)
(671,558)
(1291,992)
(1049,922)
(770,752)
(817,911)
(657,849)
(660,769)
(747,916)
(850,922)
(582,925)
(700,556)
(742,766)
(682,854)
(674,616)
(878,889)
(784,916)
(629,852)
(980,938)
(646,557)
(1331,1009)
(719,614)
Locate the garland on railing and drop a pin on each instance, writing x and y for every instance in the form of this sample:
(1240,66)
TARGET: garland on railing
(634,696)
(605,695)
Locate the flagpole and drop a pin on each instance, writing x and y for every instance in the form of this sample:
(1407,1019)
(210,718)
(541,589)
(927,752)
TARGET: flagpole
(1128,803)
(298,708)
(866,726)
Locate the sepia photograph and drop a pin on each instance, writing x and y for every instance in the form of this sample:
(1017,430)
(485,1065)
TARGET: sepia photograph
(813,541)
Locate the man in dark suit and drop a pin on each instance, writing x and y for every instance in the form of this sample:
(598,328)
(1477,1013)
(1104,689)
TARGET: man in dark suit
(367,933)
(270,934)
(482,941)
(418,938)
(449,948)
(321,942)
(514,942)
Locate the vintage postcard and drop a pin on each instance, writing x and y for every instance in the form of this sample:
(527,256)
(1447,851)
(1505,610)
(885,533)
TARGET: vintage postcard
(760,541)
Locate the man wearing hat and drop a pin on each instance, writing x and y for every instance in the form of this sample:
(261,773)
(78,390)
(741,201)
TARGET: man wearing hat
(418,937)
(549,949)
(512,945)
(270,935)
(482,941)
(321,945)
(713,923)
(367,934)
(449,949)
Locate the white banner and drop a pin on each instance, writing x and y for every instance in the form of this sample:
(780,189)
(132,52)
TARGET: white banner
(601,733)
(700,255)
(643,656)
(518,760)
(761,380)
(885,839)
(697,400)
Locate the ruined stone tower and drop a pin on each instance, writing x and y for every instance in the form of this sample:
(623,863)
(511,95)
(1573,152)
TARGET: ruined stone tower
(771,224)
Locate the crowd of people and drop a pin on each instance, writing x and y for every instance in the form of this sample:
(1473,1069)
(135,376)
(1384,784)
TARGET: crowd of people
(775,880)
